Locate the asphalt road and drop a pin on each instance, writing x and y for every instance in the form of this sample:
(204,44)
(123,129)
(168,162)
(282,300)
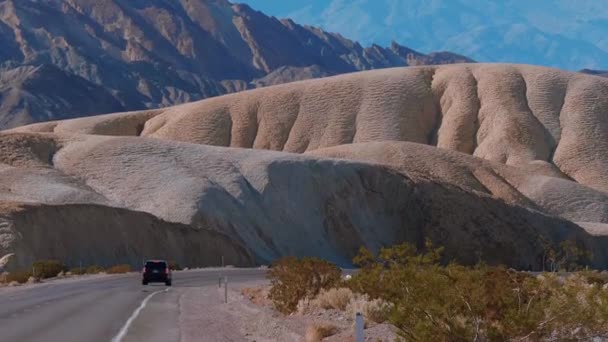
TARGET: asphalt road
(94,309)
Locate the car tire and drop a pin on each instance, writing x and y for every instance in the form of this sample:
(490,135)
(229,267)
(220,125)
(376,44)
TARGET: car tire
(143,282)
(168,283)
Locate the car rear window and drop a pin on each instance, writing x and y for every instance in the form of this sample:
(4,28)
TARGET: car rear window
(156,265)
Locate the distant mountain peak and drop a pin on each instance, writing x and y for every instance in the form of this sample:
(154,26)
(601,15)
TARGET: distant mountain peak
(563,34)
(603,73)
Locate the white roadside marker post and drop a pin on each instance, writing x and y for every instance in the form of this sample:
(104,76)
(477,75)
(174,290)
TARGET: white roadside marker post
(359,328)
(226,289)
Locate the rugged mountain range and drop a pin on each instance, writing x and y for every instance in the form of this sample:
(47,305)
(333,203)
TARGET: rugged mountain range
(68,58)
(564,34)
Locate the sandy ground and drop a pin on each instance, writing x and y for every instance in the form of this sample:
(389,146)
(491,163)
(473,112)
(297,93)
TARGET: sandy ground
(204,317)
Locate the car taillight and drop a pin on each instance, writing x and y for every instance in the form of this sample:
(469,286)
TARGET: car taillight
(167,270)
(144,271)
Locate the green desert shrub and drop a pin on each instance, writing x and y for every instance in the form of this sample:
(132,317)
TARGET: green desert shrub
(568,255)
(44,269)
(118,269)
(293,279)
(19,276)
(427,300)
(434,302)
(175,266)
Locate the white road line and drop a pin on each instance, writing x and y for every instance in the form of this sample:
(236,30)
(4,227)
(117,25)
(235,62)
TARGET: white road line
(123,331)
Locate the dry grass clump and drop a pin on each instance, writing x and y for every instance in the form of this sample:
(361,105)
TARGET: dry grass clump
(344,299)
(118,269)
(78,271)
(257,295)
(318,331)
(94,269)
(335,298)
(595,277)
(375,310)
(306,306)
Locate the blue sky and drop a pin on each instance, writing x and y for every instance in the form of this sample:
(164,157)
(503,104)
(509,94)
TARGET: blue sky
(569,34)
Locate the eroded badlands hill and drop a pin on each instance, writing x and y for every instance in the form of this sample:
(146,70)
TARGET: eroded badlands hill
(511,114)
(510,155)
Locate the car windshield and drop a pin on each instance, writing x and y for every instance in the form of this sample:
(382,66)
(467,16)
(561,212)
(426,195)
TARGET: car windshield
(156,265)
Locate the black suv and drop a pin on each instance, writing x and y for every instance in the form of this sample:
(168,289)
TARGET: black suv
(156,271)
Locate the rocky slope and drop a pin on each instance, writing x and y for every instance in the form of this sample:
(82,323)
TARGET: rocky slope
(31,93)
(125,55)
(483,159)
(105,236)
